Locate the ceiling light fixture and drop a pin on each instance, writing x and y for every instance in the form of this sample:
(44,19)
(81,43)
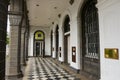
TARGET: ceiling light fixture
(55,7)
(37,4)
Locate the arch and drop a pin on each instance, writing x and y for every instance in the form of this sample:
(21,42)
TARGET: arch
(90,38)
(56,23)
(66,24)
(67,13)
(39,43)
(39,35)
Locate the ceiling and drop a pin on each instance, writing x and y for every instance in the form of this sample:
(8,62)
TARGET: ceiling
(44,12)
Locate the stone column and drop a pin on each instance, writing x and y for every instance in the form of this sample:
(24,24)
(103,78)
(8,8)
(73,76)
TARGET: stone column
(54,45)
(61,43)
(26,45)
(22,47)
(24,54)
(3,28)
(14,57)
(14,66)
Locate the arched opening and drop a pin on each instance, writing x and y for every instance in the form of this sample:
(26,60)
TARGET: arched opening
(90,39)
(66,30)
(39,44)
(57,41)
(51,42)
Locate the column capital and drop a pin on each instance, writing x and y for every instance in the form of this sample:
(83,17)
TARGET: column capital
(15,20)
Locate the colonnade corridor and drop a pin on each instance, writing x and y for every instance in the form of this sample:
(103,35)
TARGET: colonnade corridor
(46,69)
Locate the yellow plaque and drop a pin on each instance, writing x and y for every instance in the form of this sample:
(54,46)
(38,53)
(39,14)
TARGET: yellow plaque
(111,53)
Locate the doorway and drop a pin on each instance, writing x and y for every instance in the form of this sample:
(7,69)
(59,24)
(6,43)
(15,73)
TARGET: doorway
(39,44)
(39,48)
(67,49)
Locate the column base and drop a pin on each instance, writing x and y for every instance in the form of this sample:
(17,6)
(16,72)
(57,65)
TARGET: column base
(14,77)
(20,74)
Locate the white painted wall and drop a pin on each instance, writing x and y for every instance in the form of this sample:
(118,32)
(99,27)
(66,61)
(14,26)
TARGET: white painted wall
(109,23)
(72,11)
(46,30)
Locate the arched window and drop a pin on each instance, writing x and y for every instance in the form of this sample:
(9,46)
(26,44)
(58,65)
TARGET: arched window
(90,39)
(66,24)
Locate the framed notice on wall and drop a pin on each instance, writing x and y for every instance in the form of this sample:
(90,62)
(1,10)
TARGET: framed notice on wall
(73,54)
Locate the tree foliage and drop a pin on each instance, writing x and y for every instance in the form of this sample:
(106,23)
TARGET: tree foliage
(7,39)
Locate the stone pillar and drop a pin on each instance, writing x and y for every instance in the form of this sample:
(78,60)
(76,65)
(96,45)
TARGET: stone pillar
(14,57)
(3,28)
(26,45)
(22,47)
(61,43)
(14,66)
(54,45)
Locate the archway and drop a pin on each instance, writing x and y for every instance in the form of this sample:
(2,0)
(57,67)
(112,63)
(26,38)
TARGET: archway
(57,41)
(90,39)
(66,30)
(39,44)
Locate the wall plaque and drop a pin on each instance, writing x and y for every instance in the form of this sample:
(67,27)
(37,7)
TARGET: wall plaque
(60,51)
(74,54)
(111,53)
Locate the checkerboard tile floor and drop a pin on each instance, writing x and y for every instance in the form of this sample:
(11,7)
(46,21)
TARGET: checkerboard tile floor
(45,69)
